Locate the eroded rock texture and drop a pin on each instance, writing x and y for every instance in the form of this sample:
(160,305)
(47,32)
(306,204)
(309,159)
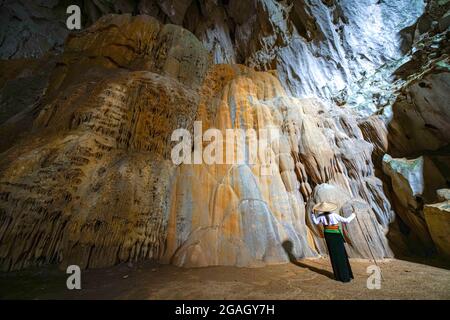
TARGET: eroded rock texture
(318,47)
(438,221)
(234,215)
(31,28)
(86,175)
(90,185)
(93,182)
(414,182)
(419,125)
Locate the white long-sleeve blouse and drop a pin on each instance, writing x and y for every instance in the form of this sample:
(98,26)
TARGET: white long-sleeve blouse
(331,219)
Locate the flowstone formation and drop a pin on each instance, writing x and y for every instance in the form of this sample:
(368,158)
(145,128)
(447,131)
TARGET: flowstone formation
(87,118)
(318,47)
(92,183)
(436,216)
(234,215)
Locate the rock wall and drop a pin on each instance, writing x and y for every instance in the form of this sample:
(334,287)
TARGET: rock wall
(436,216)
(92,182)
(234,215)
(412,139)
(86,174)
(318,47)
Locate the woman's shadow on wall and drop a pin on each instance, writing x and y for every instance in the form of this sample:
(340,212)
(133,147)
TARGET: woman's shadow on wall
(288,248)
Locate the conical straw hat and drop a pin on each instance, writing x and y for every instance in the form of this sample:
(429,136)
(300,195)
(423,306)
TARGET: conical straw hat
(325,207)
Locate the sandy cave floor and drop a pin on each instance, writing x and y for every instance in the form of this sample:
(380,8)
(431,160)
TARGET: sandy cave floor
(307,279)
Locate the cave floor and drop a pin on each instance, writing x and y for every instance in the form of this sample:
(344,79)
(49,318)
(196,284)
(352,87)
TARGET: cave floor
(305,279)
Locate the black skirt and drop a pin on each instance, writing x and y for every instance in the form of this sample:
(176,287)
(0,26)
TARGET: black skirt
(338,256)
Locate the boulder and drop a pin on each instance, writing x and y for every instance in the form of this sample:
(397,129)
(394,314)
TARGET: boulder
(91,183)
(437,216)
(414,182)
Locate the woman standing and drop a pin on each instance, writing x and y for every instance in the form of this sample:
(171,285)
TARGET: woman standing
(334,239)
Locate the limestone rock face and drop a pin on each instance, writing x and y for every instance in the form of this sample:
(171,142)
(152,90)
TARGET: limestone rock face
(375,131)
(31,28)
(420,121)
(417,126)
(358,243)
(134,43)
(90,185)
(331,41)
(22,85)
(402,110)
(390,90)
(435,19)
(318,47)
(87,174)
(232,214)
(438,221)
(93,182)
(414,183)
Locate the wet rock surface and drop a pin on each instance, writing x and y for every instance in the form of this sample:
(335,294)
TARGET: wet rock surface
(304,279)
(419,123)
(438,221)
(86,175)
(90,184)
(318,47)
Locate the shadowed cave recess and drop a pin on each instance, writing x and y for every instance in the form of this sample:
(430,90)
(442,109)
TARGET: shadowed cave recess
(358,90)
